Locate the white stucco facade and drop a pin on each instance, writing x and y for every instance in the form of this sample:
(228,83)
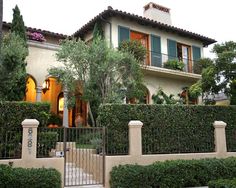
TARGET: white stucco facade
(172,82)
(41,57)
(133,26)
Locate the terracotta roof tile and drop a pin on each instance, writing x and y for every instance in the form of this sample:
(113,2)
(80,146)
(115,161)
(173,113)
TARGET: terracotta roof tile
(45,32)
(140,19)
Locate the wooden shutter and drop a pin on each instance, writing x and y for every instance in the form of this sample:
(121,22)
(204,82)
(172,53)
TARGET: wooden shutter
(196,53)
(123,34)
(156,59)
(172,49)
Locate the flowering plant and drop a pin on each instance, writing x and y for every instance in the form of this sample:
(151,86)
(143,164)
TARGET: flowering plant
(36,36)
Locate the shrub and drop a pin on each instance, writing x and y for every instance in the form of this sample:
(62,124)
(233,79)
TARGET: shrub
(27,178)
(174,174)
(167,128)
(174,65)
(13,113)
(46,142)
(233,92)
(222,183)
(55,119)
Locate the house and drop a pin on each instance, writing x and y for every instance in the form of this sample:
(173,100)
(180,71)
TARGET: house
(163,41)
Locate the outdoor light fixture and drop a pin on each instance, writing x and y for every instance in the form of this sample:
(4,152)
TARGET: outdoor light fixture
(46,85)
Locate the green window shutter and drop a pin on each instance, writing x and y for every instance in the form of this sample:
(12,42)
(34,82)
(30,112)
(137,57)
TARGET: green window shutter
(123,34)
(196,53)
(156,59)
(172,49)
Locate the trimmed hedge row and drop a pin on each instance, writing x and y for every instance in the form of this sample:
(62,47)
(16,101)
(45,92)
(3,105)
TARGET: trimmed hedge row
(167,128)
(28,178)
(222,183)
(11,116)
(174,174)
(13,113)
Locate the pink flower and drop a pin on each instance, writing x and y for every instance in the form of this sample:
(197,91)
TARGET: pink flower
(36,36)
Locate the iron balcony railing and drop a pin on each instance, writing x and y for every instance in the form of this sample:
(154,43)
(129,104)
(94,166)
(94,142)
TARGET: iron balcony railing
(161,60)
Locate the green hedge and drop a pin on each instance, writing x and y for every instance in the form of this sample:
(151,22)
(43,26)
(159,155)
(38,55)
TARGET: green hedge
(167,128)
(13,113)
(11,116)
(222,183)
(173,174)
(29,178)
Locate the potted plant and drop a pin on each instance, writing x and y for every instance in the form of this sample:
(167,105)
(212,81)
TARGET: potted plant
(174,65)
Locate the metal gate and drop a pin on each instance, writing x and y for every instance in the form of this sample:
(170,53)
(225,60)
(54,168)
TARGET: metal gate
(84,153)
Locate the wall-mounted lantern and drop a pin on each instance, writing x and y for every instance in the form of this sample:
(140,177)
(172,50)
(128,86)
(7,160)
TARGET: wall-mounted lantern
(46,85)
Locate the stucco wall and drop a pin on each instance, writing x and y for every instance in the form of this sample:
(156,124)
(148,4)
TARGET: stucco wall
(41,57)
(169,85)
(116,21)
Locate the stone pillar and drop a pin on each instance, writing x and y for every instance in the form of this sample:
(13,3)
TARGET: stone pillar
(38,93)
(220,138)
(65,109)
(135,138)
(29,140)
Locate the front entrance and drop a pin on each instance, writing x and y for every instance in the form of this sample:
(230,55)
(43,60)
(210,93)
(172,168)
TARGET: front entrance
(84,153)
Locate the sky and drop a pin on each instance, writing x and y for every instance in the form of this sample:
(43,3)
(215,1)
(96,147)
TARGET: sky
(214,19)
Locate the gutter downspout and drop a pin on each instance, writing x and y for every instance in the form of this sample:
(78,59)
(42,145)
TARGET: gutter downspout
(110,29)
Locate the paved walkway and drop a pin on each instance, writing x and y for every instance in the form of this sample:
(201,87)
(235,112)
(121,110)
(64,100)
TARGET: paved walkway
(76,176)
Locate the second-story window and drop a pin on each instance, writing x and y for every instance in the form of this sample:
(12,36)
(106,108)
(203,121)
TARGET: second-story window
(143,38)
(124,33)
(184,55)
(181,52)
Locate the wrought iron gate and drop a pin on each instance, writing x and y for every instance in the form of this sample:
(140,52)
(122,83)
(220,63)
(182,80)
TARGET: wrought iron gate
(84,153)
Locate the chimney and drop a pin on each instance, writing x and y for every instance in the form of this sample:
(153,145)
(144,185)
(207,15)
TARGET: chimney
(157,13)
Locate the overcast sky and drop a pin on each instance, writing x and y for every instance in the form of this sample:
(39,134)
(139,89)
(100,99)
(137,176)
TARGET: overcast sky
(214,19)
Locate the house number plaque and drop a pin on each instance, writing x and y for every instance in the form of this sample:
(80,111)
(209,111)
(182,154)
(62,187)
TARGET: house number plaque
(30,140)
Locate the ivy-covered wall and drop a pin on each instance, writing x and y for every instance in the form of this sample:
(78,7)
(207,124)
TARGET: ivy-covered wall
(167,128)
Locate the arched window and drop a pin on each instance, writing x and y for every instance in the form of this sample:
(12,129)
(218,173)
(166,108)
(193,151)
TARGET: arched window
(60,103)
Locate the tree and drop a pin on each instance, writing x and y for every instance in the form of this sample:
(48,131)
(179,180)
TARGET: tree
(162,98)
(135,48)
(102,71)
(12,69)
(18,25)
(1,15)
(97,30)
(218,75)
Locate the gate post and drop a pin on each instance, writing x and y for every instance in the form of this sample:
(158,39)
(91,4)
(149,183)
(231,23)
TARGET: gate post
(135,138)
(29,141)
(220,138)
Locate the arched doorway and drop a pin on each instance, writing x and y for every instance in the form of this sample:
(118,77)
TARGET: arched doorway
(77,115)
(52,92)
(30,94)
(144,99)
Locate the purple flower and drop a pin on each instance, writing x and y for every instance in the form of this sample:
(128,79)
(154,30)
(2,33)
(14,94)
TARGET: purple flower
(36,36)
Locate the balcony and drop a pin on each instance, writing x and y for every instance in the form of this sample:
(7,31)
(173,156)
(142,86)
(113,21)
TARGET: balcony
(169,66)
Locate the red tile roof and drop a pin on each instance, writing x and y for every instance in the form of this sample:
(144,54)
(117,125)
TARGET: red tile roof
(44,32)
(110,12)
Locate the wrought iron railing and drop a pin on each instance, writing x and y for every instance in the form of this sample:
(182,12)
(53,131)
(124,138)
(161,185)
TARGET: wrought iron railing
(10,143)
(117,142)
(161,60)
(166,140)
(49,140)
(231,138)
